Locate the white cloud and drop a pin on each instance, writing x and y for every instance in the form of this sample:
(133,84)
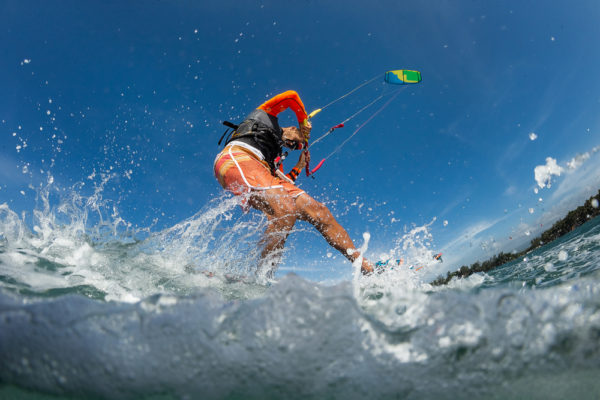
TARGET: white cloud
(581,182)
(543,173)
(579,159)
(482,239)
(577,186)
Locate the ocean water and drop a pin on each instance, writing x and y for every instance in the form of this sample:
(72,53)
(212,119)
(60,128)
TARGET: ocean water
(93,308)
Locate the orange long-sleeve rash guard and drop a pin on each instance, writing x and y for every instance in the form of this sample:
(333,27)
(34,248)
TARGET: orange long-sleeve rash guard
(283,101)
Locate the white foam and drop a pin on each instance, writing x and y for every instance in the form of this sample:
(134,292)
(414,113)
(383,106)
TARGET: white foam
(563,255)
(112,263)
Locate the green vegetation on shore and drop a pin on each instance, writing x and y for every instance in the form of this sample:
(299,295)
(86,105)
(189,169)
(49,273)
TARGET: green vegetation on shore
(574,219)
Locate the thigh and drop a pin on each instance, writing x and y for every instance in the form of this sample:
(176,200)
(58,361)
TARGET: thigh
(275,202)
(239,172)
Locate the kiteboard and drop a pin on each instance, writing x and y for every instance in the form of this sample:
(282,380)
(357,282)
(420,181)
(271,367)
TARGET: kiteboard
(388,265)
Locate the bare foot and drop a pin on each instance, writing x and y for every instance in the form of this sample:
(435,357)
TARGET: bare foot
(367,267)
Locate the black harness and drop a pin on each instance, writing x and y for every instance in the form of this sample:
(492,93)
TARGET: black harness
(261,131)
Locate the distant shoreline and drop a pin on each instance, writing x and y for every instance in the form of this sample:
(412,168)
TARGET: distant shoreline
(574,219)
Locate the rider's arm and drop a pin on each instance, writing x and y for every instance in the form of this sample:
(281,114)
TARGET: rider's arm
(293,174)
(289,99)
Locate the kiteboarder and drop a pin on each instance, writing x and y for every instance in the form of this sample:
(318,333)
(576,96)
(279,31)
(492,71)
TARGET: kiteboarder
(250,166)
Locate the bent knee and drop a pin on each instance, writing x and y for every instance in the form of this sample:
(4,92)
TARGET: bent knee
(276,203)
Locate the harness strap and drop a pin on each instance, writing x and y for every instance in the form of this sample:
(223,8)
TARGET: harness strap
(228,125)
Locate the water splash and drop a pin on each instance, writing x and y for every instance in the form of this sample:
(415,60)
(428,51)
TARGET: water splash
(448,344)
(81,244)
(377,338)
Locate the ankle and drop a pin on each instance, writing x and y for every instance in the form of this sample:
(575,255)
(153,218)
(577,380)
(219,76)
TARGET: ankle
(367,267)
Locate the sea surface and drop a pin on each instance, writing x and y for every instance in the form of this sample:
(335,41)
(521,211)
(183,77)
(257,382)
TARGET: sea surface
(91,308)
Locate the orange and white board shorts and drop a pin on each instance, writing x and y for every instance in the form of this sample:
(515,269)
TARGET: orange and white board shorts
(240,171)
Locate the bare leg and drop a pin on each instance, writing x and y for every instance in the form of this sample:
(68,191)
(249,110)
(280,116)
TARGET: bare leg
(282,212)
(321,218)
(276,234)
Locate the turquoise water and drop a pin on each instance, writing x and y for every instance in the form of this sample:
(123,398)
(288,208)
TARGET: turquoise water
(90,309)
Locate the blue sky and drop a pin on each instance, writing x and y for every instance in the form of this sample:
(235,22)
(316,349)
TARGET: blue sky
(138,90)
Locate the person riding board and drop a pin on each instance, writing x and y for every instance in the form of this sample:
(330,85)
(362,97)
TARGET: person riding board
(250,165)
